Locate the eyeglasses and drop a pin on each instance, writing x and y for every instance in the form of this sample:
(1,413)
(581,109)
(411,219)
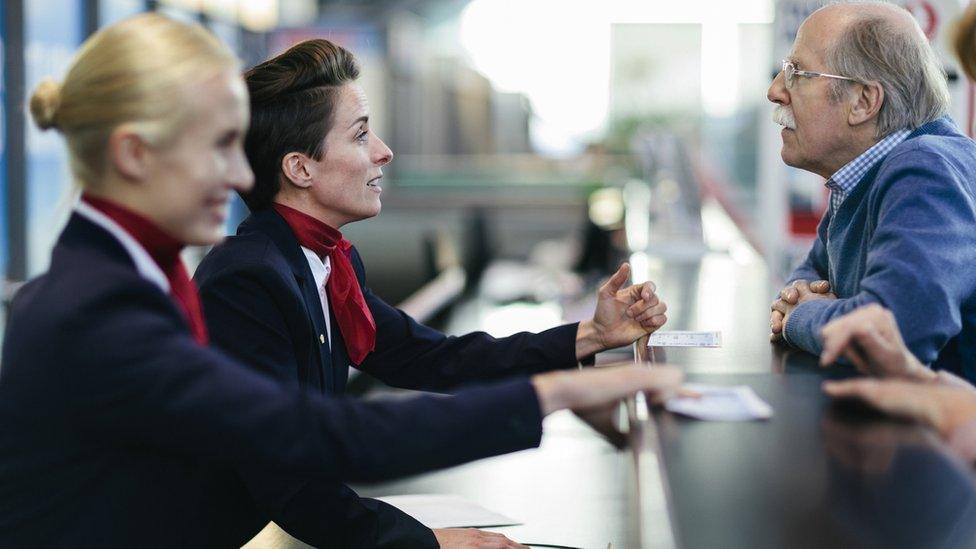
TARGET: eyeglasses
(790,72)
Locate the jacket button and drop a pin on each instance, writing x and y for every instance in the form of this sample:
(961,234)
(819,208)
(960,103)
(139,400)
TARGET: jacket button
(322,339)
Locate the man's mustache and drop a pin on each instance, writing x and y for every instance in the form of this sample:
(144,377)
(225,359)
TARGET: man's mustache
(783,116)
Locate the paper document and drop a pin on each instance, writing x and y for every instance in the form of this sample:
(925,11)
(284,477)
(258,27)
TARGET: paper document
(447,511)
(717,403)
(679,338)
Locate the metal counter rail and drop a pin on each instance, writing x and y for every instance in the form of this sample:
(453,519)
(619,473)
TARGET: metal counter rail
(650,494)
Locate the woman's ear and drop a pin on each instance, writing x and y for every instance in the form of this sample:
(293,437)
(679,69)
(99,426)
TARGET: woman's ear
(295,167)
(128,153)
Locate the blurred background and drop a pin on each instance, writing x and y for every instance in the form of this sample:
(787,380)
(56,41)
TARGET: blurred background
(537,142)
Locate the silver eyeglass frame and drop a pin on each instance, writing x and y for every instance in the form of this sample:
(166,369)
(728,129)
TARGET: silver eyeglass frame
(790,72)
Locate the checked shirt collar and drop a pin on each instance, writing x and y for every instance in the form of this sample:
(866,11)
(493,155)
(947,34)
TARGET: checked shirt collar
(845,179)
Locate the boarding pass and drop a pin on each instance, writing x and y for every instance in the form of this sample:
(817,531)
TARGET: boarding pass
(685,339)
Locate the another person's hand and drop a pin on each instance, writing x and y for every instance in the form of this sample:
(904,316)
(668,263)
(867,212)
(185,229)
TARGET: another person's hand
(622,315)
(472,538)
(942,406)
(869,338)
(797,292)
(594,389)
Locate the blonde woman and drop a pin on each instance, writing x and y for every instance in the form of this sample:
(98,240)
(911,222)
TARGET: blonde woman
(119,426)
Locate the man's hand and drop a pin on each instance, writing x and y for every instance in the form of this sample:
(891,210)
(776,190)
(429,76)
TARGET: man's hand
(943,406)
(869,338)
(622,315)
(471,538)
(799,291)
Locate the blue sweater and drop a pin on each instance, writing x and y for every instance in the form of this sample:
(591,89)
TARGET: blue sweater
(904,238)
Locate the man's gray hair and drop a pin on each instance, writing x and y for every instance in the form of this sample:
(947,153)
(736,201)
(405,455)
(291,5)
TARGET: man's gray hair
(899,57)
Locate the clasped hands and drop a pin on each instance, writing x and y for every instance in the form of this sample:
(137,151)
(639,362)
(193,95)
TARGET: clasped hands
(799,291)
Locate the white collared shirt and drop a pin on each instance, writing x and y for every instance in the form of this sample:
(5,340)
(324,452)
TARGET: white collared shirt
(320,272)
(145,264)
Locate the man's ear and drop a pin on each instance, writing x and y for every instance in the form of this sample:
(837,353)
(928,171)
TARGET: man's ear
(295,167)
(867,103)
(128,153)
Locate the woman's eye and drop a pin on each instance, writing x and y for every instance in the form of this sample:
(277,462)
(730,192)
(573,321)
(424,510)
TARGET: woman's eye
(227,139)
(363,135)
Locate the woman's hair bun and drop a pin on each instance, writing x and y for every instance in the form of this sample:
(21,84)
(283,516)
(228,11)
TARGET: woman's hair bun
(45,103)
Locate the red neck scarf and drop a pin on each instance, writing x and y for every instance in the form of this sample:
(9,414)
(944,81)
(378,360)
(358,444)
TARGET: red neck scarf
(165,251)
(346,297)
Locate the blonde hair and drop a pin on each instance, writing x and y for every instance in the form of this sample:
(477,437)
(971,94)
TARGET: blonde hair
(133,72)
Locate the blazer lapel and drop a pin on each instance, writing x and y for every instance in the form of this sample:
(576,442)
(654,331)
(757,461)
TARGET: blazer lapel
(269,223)
(340,358)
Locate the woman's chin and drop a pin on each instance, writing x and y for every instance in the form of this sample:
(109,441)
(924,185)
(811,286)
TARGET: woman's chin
(204,236)
(370,212)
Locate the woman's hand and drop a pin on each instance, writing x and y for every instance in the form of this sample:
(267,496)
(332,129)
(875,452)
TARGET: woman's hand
(598,388)
(472,538)
(622,315)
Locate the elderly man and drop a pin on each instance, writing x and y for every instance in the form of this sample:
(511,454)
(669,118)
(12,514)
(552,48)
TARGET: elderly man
(863,101)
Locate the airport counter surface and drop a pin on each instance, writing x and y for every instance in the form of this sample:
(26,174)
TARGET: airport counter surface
(817,474)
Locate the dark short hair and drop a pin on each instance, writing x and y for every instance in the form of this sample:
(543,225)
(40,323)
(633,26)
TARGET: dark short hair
(293,99)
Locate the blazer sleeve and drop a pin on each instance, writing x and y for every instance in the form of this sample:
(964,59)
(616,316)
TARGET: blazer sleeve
(152,385)
(411,355)
(922,246)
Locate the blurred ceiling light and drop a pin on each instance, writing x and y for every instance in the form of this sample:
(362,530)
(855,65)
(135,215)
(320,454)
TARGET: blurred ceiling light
(637,216)
(641,265)
(606,207)
(258,15)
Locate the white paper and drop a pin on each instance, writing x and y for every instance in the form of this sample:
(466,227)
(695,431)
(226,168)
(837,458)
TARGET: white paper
(447,511)
(717,403)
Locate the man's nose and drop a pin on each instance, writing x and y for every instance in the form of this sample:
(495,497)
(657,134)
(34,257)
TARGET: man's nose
(777,92)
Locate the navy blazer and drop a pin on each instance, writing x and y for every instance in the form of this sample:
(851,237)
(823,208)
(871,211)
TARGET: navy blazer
(262,306)
(118,430)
